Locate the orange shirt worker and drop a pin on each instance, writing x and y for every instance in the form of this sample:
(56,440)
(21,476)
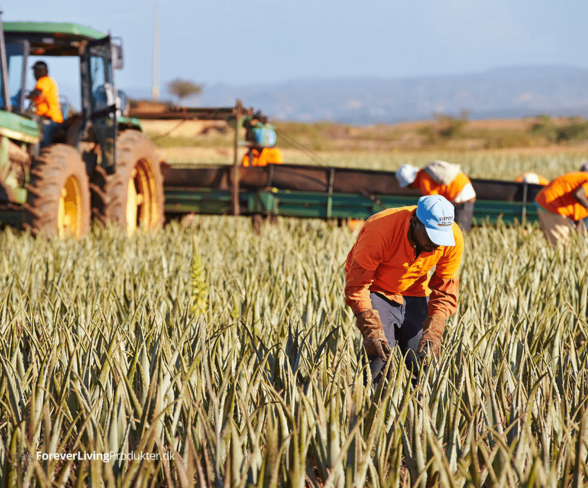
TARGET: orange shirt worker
(264,138)
(459,191)
(387,282)
(563,206)
(45,97)
(263,157)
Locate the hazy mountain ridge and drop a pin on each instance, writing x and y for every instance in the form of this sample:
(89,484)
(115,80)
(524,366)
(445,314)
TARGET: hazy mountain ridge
(503,92)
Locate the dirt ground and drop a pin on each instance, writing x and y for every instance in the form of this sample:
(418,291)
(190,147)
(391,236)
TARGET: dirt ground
(188,128)
(191,128)
(488,124)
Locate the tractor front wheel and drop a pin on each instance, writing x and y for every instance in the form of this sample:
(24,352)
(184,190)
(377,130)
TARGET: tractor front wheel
(58,194)
(132,196)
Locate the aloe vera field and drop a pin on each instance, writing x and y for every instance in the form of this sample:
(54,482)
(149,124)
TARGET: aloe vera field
(235,354)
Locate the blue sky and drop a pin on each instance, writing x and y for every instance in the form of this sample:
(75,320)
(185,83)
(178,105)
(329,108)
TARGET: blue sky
(237,42)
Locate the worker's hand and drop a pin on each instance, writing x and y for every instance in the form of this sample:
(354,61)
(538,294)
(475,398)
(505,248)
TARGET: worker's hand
(374,339)
(433,327)
(34,94)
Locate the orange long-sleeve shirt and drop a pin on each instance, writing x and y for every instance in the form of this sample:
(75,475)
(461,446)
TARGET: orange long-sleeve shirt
(429,186)
(558,197)
(269,155)
(47,103)
(383,261)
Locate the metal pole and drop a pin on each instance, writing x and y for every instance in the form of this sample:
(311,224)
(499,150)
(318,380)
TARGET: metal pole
(330,192)
(235,183)
(524,211)
(25,59)
(155,79)
(4,68)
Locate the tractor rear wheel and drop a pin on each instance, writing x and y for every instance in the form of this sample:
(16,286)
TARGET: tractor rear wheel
(58,194)
(132,196)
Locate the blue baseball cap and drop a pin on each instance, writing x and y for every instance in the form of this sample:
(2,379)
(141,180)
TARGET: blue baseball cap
(438,214)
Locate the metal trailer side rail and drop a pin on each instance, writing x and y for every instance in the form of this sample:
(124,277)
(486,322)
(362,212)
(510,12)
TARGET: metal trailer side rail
(325,192)
(322,205)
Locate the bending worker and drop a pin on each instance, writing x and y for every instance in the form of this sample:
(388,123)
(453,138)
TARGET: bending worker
(442,178)
(563,206)
(387,283)
(45,97)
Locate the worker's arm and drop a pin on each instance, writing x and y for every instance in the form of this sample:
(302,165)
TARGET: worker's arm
(443,300)
(580,196)
(357,287)
(43,86)
(362,262)
(444,283)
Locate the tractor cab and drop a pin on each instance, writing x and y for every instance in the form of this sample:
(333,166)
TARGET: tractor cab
(105,166)
(98,55)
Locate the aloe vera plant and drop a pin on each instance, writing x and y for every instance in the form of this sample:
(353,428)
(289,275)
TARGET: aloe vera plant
(240,362)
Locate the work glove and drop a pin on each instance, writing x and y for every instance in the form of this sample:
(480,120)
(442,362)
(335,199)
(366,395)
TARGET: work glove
(433,327)
(374,339)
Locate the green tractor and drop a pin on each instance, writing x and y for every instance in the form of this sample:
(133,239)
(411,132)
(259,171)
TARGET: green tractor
(97,163)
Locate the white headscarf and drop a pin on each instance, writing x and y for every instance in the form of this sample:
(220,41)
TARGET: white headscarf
(406,175)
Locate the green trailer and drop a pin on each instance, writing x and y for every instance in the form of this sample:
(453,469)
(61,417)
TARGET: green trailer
(324,193)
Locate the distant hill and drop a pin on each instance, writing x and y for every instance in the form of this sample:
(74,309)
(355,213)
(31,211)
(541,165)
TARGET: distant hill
(498,93)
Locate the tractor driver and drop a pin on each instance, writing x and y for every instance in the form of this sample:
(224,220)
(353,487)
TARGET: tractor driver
(45,98)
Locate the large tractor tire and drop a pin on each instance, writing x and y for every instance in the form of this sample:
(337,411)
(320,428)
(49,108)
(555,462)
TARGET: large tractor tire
(58,194)
(132,196)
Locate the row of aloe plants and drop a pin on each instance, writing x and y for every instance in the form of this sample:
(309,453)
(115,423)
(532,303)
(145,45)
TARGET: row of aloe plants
(234,357)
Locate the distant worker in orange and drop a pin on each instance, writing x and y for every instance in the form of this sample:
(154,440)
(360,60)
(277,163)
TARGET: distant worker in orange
(263,156)
(442,178)
(387,282)
(45,97)
(264,150)
(532,179)
(563,206)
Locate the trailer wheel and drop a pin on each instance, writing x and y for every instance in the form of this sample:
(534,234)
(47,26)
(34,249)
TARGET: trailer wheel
(58,194)
(132,196)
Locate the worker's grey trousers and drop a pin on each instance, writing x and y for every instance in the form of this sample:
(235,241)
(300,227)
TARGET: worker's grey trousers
(403,325)
(464,214)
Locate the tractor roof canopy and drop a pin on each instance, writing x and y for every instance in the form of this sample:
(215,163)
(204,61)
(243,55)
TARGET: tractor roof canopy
(50,38)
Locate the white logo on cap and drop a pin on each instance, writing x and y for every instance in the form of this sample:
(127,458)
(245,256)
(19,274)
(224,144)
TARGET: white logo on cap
(445,221)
